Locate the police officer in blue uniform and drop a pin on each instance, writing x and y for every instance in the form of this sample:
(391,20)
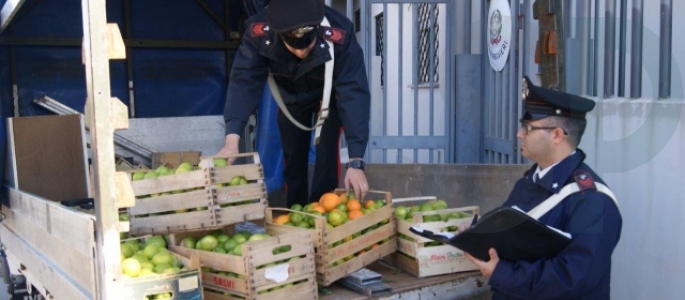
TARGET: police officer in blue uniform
(288,40)
(551,129)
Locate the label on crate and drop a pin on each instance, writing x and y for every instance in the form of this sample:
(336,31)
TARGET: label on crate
(187,284)
(277,273)
(441,258)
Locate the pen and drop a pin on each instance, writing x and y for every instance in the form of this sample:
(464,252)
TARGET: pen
(475,219)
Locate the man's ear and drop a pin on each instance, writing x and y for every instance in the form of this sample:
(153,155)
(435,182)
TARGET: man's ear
(558,135)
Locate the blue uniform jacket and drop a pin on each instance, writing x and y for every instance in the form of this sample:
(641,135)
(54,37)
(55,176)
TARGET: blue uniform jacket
(580,271)
(301,81)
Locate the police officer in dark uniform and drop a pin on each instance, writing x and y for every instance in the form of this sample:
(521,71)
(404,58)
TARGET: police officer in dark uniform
(551,129)
(288,41)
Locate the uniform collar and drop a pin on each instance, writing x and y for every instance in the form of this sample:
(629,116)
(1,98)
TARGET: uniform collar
(558,175)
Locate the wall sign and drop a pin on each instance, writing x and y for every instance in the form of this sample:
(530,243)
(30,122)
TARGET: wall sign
(499,33)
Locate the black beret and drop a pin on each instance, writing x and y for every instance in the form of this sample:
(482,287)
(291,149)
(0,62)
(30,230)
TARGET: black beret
(287,15)
(540,103)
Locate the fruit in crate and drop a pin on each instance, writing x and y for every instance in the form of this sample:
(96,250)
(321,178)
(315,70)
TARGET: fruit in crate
(220,162)
(221,242)
(148,258)
(336,209)
(138,176)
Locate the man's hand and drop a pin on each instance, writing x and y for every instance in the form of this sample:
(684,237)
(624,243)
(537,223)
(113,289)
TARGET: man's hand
(230,147)
(486,267)
(357,180)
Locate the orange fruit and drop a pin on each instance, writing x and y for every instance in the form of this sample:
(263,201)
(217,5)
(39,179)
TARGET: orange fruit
(329,201)
(353,205)
(282,219)
(343,198)
(369,204)
(355,214)
(319,209)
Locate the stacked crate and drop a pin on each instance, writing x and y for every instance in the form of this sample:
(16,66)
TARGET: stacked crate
(214,197)
(199,199)
(344,249)
(423,257)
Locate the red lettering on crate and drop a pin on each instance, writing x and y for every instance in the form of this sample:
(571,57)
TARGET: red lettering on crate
(291,270)
(227,283)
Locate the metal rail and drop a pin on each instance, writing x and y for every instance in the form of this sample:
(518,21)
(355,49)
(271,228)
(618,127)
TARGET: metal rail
(125,143)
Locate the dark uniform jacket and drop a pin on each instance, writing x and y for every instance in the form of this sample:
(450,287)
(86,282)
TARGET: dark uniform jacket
(301,81)
(580,271)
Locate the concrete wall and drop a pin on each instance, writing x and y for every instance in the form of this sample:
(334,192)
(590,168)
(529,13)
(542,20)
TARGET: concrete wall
(460,185)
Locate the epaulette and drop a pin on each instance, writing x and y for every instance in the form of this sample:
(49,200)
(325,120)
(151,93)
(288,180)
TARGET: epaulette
(334,35)
(584,180)
(258,29)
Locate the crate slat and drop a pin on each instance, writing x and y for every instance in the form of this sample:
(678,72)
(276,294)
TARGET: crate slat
(170,183)
(166,203)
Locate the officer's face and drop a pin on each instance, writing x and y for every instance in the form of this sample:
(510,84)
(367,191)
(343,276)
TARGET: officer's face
(536,140)
(300,53)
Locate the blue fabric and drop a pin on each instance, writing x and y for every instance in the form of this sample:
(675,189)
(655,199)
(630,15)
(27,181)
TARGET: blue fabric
(167,82)
(268,142)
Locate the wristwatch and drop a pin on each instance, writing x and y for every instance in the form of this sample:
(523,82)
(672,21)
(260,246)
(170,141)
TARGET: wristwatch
(356,164)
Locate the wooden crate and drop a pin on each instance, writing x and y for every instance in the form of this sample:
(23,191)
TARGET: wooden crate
(253,283)
(324,238)
(417,257)
(199,199)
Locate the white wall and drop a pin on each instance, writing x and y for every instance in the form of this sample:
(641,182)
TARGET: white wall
(638,148)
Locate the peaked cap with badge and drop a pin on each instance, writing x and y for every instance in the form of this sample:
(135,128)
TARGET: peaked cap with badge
(540,103)
(288,15)
(295,20)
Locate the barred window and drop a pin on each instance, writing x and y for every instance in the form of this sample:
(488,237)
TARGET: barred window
(428,13)
(379,41)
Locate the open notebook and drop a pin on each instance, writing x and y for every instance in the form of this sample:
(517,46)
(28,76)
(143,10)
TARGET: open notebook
(514,234)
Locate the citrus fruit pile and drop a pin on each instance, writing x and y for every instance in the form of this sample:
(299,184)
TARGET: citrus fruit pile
(147,258)
(221,242)
(337,209)
(407,214)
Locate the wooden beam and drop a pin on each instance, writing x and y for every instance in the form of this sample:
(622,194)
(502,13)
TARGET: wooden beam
(9,10)
(99,114)
(117,49)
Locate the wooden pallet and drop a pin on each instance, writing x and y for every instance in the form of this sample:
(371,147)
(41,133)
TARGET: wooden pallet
(420,259)
(253,282)
(198,199)
(324,238)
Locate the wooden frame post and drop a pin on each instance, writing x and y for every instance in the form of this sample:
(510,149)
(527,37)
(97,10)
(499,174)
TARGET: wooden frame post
(98,112)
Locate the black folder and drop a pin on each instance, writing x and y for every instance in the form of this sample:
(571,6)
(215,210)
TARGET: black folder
(514,234)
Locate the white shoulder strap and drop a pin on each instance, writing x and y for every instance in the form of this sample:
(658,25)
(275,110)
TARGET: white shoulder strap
(325,102)
(566,191)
